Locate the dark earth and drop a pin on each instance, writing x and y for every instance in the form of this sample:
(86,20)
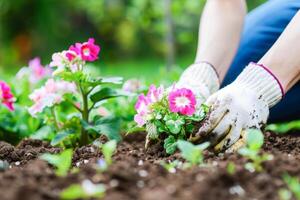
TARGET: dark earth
(137,174)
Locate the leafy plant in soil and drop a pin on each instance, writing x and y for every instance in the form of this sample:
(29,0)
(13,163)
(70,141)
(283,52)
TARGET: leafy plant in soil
(192,153)
(293,185)
(254,142)
(169,115)
(85,190)
(108,150)
(16,123)
(69,98)
(62,161)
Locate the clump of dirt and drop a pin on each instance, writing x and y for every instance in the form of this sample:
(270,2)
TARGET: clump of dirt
(26,150)
(137,174)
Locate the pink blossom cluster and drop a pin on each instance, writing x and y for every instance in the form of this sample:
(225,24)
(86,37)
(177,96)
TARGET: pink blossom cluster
(6,96)
(35,71)
(180,100)
(50,94)
(143,105)
(79,52)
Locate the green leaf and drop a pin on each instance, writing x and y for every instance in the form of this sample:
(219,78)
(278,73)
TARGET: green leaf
(44,133)
(108,126)
(247,152)
(254,139)
(86,190)
(175,125)
(61,136)
(231,168)
(170,144)
(135,129)
(293,184)
(61,161)
(190,152)
(104,93)
(108,150)
(284,127)
(72,192)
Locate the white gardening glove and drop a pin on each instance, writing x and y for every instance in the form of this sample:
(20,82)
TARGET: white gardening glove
(201,78)
(243,104)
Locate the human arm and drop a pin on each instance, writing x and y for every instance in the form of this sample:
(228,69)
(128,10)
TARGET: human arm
(245,103)
(219,34)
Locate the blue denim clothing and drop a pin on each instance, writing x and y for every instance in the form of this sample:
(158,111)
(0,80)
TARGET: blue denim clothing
(262,28)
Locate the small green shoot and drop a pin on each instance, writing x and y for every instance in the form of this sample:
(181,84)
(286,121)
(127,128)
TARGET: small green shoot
(284,127)
(171,166)
(108,150)
(86,190)
(293,185)
(254,142)
(61,161)
(231,168)
(192,153)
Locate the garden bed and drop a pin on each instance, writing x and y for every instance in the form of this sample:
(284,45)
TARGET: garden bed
(136,174)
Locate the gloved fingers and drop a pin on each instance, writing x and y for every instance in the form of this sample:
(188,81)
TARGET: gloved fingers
(241,142)
(216,114)
(231,138)
(220,131)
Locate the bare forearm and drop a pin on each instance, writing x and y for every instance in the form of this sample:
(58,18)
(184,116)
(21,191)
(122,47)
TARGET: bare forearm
(283,58)
(219,34)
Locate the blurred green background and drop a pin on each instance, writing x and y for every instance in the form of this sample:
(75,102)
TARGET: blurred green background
(136,36)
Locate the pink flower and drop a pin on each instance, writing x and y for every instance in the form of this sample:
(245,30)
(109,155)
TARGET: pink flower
(71,55)
(155,94)
(6,96)
(49,95)
(87,50)
(143,104)
(182,101)
(35,71)
(57,59)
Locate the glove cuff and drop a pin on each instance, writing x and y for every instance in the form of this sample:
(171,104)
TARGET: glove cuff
(260,79)
(199,74)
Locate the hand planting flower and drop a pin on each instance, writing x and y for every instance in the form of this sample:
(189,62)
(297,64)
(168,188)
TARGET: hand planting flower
(73,88)
(6,96)
(169,115)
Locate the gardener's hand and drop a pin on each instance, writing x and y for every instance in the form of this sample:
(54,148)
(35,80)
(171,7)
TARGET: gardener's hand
(201,78)
(241,105)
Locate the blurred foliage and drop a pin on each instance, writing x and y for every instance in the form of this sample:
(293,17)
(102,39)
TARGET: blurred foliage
(124,28)
(283,128)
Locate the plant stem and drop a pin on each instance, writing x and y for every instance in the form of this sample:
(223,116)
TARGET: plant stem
(55,119)
(84,138)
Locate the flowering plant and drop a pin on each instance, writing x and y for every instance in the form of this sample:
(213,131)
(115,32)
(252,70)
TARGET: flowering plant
(6,96)
(169,115)
(71,88)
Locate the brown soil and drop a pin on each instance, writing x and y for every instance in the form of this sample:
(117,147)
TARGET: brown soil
(136,174)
